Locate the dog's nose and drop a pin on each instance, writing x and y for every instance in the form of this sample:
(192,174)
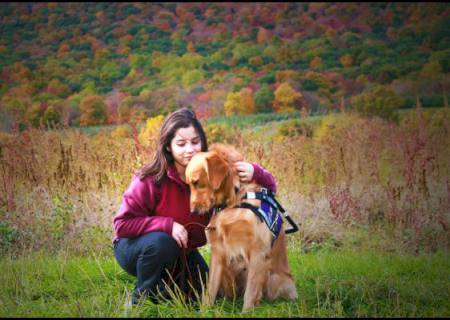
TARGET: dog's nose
(194,211)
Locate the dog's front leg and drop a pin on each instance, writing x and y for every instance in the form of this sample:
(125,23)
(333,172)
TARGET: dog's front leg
(257,276)
(215,276)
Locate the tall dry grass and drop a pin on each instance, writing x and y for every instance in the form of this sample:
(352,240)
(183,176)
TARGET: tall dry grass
(62,188)
(367,172)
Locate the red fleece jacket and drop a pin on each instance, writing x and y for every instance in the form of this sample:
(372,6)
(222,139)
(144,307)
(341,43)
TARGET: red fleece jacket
(148,207)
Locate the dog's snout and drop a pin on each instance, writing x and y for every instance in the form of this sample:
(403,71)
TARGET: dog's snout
(194,211)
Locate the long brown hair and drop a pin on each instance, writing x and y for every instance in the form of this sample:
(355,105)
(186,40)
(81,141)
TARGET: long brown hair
(181,118)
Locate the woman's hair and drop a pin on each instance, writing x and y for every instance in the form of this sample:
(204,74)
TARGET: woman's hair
(181,118)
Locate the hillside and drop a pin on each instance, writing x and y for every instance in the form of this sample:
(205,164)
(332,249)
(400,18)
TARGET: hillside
(80,64)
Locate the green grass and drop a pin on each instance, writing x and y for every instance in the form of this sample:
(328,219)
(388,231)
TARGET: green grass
(252,120)
(331,282)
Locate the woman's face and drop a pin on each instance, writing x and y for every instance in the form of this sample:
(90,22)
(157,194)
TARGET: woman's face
(184,145)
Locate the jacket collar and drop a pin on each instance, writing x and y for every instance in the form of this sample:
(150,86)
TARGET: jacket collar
(173,175)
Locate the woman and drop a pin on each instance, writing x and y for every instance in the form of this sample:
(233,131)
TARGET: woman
(154,224)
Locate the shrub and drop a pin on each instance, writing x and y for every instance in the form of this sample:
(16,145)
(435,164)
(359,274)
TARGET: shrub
(149,134)
(221,133)
(333,122)
(93,240)
(121,132)
(294,128)
(60,218)
(380,101)
(8,235)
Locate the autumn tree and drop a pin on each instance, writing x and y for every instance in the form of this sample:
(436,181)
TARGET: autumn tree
(16,102)
(124,112)
(241,102)
(346,60)
(246,101)
(286,55)
(287,99)
(315,63)
(286,76)
(256,61)
(57,88)
(190,47)
(263,36)
(63,49)
(231,105)
(92,111)
(183,14)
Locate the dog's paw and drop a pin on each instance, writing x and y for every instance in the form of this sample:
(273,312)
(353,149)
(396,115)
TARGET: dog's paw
(291,293)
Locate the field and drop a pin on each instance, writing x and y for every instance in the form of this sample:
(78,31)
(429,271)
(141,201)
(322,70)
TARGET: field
(343,283)
(372,198)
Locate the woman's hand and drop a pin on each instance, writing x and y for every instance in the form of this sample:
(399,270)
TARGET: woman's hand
(180,234)
(245,171)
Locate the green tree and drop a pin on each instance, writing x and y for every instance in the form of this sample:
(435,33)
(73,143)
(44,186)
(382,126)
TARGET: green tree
(34,114)
(57,88)
(263,99)
(51,116)
(434,72)
(110,72)
(380,101)
(191,77)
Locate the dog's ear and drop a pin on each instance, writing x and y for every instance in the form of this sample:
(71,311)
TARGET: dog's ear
(217,170)
(227,151)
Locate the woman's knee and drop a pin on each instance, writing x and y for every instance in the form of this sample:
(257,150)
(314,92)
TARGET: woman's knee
(160,246)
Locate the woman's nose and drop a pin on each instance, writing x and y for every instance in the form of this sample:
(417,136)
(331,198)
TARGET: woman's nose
(189,148)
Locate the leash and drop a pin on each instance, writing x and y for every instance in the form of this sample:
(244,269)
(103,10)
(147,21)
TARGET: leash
(182,265)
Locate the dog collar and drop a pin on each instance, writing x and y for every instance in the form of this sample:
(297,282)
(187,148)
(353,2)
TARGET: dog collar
(215,210)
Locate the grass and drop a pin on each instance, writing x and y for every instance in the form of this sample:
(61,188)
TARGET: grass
(252,120)
(345,282)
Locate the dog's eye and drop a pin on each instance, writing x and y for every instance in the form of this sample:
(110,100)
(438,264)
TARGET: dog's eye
(194,182)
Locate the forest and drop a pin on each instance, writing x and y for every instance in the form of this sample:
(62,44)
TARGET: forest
(84,64)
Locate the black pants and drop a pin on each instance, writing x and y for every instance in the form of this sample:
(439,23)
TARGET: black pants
(152,258)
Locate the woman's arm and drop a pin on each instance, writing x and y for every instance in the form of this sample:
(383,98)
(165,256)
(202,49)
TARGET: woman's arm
(264,178)
(134,217)
(253,172)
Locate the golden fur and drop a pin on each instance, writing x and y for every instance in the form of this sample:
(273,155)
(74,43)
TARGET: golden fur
(243,260)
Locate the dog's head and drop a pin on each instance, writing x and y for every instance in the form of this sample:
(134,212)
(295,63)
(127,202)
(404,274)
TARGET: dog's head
(212,178)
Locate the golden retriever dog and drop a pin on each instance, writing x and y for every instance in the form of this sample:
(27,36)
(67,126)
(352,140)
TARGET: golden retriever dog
(244,258)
